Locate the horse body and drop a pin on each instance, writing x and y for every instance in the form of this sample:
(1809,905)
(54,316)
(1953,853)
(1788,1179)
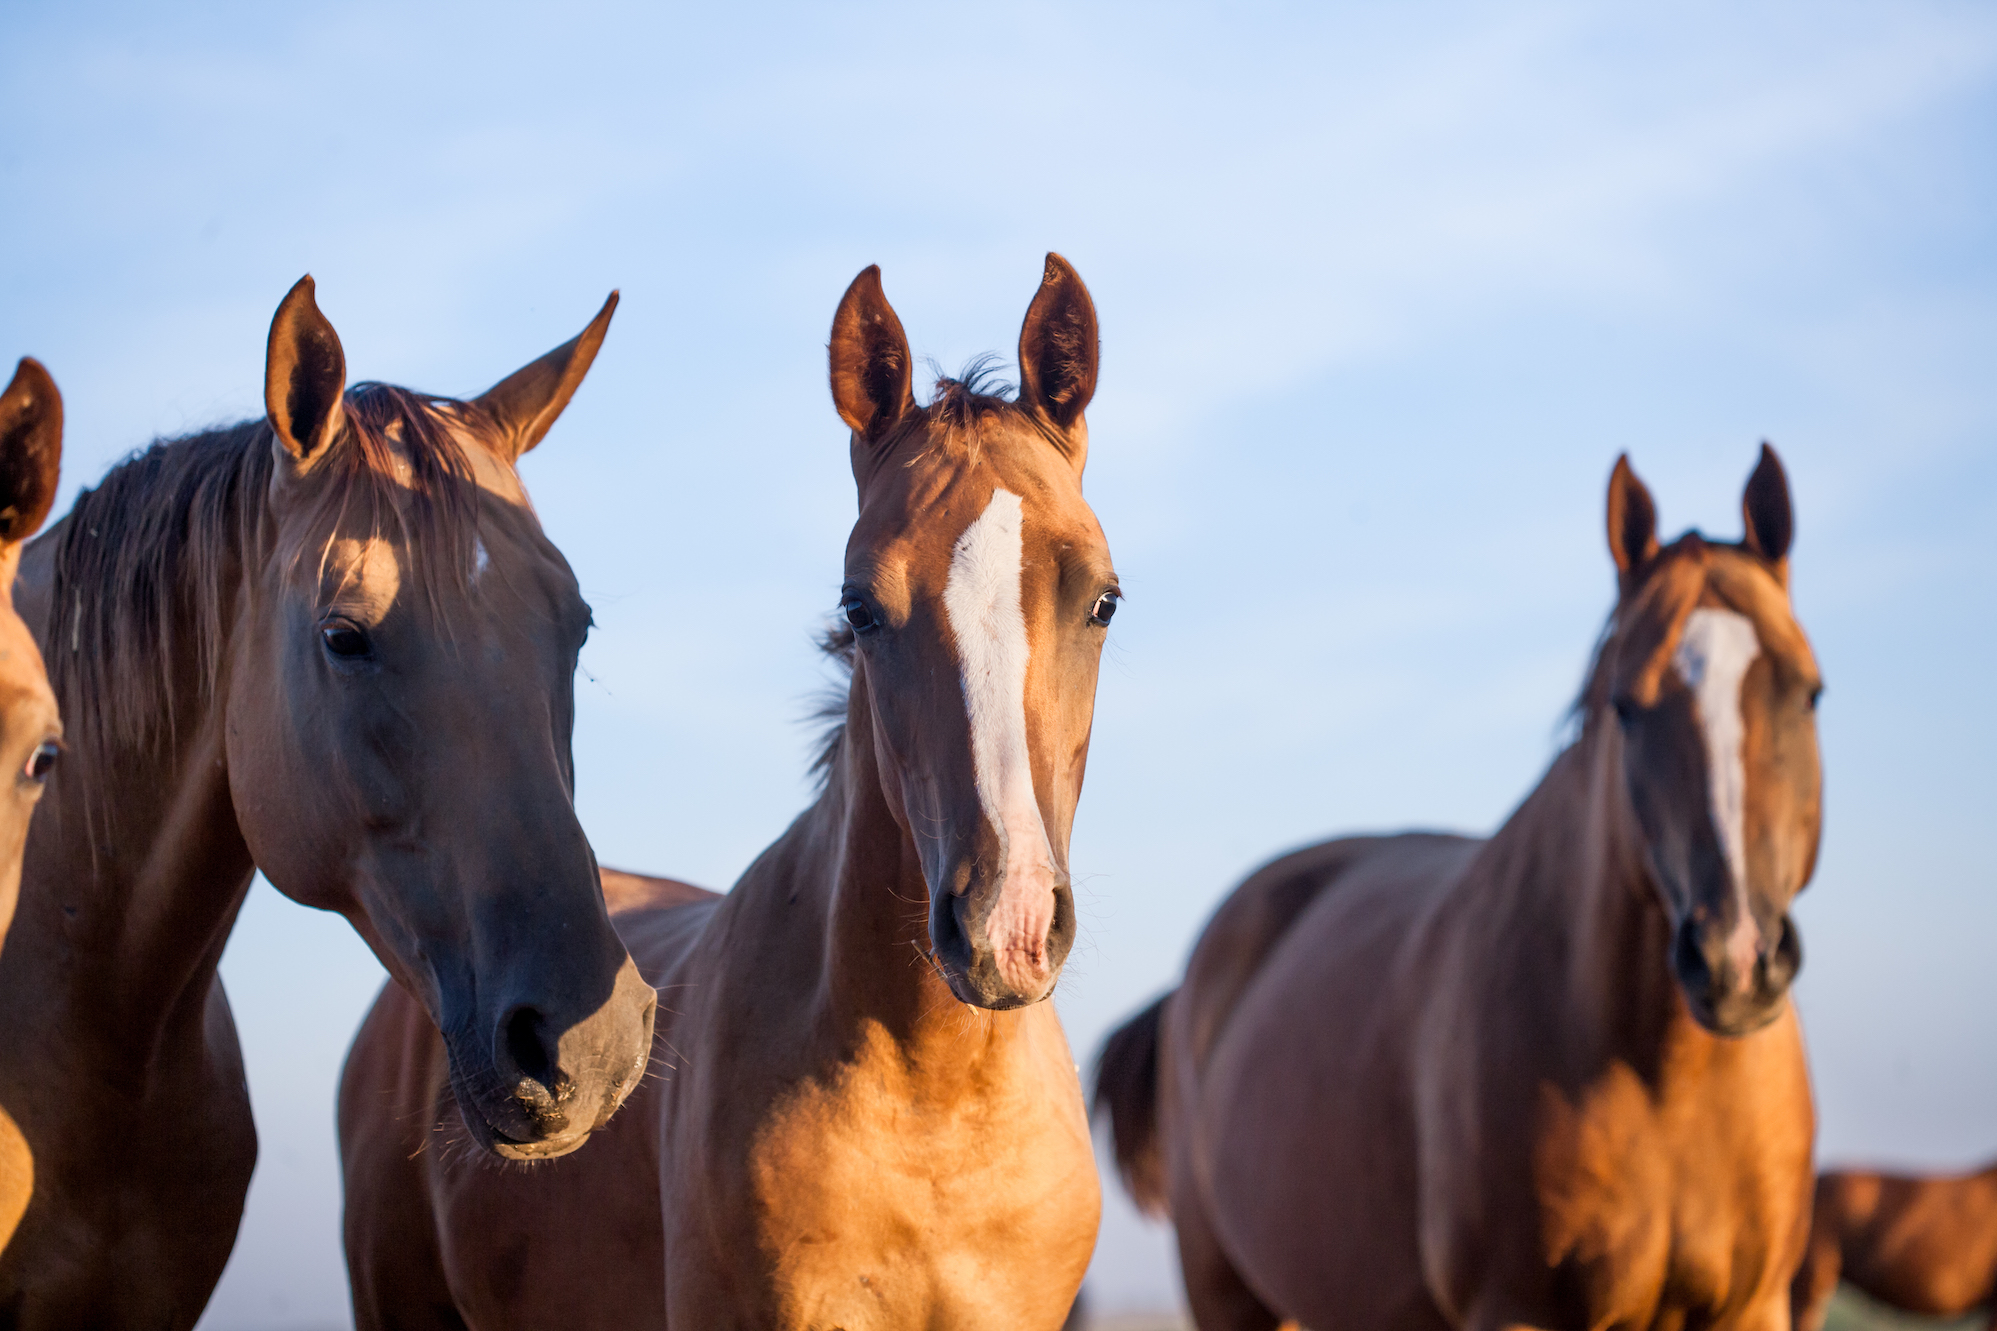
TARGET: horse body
(1924,1244)
(333,645)
(1544,1080)
(865,1116)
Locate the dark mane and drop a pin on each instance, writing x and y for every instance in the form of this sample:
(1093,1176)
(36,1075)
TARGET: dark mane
(147,564)
(838,643)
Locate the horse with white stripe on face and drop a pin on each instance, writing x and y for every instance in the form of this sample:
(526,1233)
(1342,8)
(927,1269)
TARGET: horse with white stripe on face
(1549,1079)
(867,1116)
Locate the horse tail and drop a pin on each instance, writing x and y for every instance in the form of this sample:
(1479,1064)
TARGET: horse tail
(1127,1094)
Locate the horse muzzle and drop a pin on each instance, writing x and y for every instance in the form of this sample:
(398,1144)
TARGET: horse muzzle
(538,1085)
(998,951)
(1735,985)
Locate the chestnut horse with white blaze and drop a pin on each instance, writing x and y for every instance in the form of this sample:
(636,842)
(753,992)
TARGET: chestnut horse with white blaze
(1924,1244)
(332,644)
(868,1115)
(30,728)
(1549,1079)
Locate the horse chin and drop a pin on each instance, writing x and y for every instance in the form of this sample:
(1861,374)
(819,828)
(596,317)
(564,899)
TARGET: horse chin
(507,1147)
(541,1150)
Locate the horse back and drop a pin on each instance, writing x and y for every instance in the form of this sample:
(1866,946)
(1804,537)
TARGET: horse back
(1257,916)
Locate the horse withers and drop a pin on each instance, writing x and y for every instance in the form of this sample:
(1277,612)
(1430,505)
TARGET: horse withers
(1922,1243)
(332,644)
(866,1114)
(1552,1079)
(30,728)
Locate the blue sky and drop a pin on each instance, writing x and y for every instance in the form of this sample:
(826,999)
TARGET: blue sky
(1384,290)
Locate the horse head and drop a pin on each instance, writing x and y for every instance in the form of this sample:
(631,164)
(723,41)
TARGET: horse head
(1714,692)
(401,699)
(977,590)
(30,730)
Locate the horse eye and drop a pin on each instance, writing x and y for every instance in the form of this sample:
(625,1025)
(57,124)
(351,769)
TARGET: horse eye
(1104,609)
(345,640)
(858,615)
(42,761)
(1626,708)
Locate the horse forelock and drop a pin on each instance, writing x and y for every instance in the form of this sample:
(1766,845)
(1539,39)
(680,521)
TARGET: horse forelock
(1643,629)
(155,552)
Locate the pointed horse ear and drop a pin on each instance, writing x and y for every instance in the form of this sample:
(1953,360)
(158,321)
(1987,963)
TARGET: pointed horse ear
(1632,521)
(869,361)
(525,403)
(30,450)
(305,372)
(1765,508)
(1059,352)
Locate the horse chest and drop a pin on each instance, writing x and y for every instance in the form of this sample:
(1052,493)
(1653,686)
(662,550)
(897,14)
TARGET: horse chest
(1654,1210)
(877,1207)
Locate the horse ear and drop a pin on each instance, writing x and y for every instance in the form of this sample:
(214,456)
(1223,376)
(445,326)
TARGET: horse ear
(525,403)
(305,372)
(1765,507)
(1059,350)
(1632,520)
(869,360)
(30,450)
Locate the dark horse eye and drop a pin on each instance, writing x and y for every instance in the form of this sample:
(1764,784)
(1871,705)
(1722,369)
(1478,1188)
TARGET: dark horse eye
(345,640)
(858,615)
(1104,609)
(1626,708)
(42,761)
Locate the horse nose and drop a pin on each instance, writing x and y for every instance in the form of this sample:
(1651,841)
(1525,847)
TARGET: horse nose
(1734,976)
(529,1064)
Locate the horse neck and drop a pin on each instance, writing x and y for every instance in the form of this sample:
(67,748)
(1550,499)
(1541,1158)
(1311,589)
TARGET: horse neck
(853,875)
(1572,876)
(137,867)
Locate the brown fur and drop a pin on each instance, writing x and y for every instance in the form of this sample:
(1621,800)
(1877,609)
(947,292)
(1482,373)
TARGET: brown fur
(30,728)
(419,785)
(854,1121)
(1432,1081)
(1923,1244)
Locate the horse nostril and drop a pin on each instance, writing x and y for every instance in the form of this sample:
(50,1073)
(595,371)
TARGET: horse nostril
(525,1047)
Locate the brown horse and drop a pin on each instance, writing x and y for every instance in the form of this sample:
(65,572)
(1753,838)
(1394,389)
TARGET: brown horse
(868,1116)
(30,729)
(1550,1079)
(333,645)
(1924,1244)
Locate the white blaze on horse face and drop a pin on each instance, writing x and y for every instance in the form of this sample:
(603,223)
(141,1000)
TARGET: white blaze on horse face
(1713,656)
(982,602)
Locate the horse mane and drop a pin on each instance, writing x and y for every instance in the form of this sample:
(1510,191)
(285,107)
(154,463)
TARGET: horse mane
(155,552)
(840,643)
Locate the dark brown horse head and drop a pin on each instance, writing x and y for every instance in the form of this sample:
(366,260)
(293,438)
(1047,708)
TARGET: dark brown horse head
(30,731)
(1713,689)
(978,587)
(400,699)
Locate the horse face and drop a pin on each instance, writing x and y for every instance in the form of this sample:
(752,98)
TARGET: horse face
(979,588)
(30,731)
(399,731)
(1715,699)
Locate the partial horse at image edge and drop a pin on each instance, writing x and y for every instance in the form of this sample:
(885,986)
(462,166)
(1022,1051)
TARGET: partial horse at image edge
(1925,1244)
(30,729)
